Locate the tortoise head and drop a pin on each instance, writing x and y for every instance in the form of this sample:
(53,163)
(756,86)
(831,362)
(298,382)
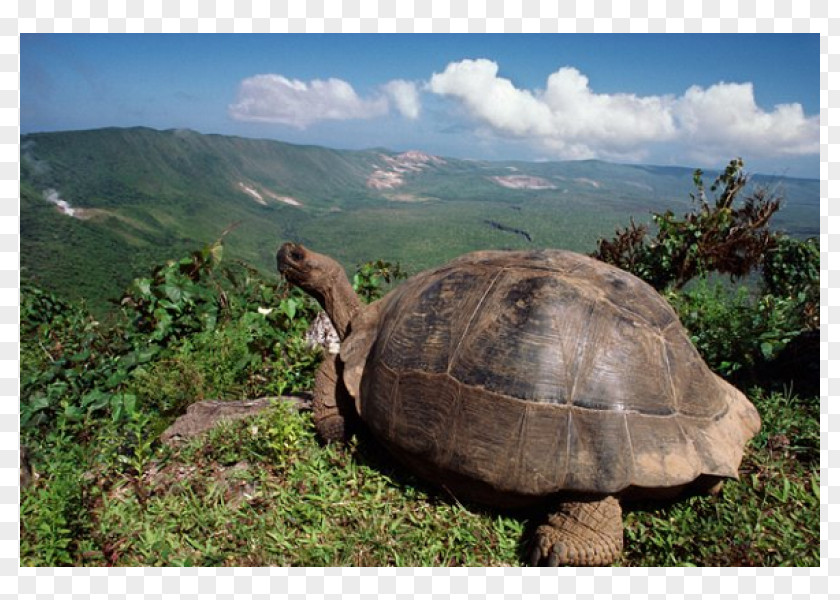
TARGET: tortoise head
(308,270)
(324,279)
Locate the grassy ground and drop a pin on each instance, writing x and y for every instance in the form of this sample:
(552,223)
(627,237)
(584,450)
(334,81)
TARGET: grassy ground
(95,398)
(264,492)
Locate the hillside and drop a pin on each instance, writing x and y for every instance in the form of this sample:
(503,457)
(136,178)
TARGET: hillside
(99,207)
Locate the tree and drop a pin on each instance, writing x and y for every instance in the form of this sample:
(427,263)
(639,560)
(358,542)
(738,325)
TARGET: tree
(716,235)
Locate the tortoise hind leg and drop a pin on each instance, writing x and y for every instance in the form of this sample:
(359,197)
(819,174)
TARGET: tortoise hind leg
(332,407)
(581,533)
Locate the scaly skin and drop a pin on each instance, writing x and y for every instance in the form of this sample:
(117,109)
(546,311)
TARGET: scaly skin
(330,402)
(587,533)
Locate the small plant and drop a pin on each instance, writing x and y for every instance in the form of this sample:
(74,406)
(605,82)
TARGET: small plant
(54,510)
(174,302)
(371,278)
(295,366)
(279,438)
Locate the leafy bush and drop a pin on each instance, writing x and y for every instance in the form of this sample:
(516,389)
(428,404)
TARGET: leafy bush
(193,322)
(791,269)
(735,330)
(69,361)
(717,236)
(195,293)
(372,278)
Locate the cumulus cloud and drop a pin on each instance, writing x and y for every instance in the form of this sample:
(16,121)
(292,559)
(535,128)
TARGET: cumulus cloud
(275,99)
(566,117)
(570,120)
(405,97)
(272,98)
(726,115)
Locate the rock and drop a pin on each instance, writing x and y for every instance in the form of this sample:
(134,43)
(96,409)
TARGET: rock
(206,414)
(322,334)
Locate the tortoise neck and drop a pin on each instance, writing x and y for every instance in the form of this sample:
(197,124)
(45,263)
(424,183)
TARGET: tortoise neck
(340,303)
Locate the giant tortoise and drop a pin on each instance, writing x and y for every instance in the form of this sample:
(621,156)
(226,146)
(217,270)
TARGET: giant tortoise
(517,378)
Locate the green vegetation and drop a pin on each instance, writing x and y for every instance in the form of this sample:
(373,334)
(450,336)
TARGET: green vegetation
(719,236)
(265,492)
(737,331)
(96,395)
(145,196)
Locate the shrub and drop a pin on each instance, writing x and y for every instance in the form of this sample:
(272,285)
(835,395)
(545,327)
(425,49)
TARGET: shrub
(735,330)
(372,278)
(719,236)
(791,269)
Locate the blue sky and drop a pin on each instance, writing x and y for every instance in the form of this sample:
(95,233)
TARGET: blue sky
(692,100)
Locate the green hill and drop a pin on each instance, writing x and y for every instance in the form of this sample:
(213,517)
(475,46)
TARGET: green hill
(139,196)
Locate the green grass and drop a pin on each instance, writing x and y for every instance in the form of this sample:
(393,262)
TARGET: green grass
(769,517)
(263,491)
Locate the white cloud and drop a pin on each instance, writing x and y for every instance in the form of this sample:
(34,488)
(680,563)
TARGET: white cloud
(726,115)
(272,98)
(492,99)
(569,120)
(405,97)
(566,117)
(276,99)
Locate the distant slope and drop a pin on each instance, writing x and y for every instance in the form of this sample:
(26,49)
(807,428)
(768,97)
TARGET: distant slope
(109,167)
(139,196)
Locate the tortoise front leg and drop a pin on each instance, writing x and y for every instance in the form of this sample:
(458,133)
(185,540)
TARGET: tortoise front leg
(332,406)
(581,533)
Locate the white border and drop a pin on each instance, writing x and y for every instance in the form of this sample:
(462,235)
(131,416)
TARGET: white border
(464,16)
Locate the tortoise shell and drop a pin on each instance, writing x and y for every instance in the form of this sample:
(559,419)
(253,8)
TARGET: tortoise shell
(534,373)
